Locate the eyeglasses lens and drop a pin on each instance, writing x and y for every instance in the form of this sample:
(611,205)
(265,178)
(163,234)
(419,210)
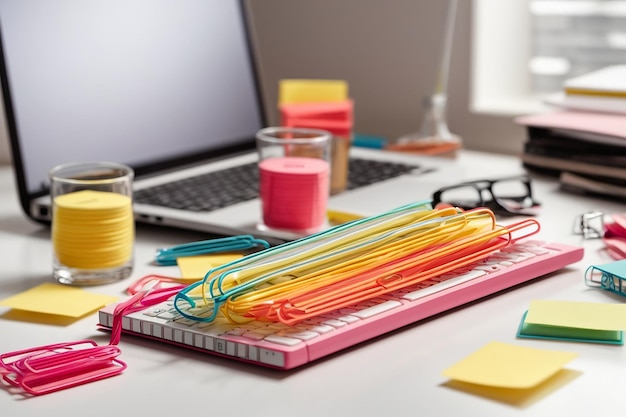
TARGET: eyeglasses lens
(464,196)
(513,194)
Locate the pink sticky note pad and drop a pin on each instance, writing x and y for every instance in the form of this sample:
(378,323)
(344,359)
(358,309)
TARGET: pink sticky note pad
(341,110)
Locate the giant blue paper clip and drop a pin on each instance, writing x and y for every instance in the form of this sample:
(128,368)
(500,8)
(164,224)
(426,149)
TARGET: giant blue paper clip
(168,256)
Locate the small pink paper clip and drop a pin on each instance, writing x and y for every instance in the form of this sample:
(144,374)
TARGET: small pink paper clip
(46,369)
(163,288)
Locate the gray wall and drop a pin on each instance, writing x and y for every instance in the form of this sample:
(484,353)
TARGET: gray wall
(387,50)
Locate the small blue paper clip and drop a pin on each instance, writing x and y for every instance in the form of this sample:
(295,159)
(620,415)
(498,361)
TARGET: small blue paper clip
(168,256)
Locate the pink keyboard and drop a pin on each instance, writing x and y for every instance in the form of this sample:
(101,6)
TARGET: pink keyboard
(281,346)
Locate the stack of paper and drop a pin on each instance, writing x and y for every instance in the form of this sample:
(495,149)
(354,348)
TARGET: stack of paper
(603,90)
(584,141)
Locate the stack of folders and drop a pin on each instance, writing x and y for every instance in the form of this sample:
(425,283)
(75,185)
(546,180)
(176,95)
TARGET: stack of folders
(583,140)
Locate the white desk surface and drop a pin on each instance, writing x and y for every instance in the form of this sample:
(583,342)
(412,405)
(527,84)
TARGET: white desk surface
(399,373)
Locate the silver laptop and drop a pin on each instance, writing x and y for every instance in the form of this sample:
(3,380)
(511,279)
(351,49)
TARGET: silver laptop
(167,87)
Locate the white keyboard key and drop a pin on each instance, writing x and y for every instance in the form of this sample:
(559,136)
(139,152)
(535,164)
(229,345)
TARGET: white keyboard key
(219,345)
(155,312)
(337,324)
(539,251)
(185,322)
(377,309)
(279,326)
(302,335)
(167,315)
(490,268)
(263,330)
(253,336)
(282,340)
(235,332)
(349,318)
(271,357)
(157,330)
(415,295)
(321,328)
(253,353)
(213,329)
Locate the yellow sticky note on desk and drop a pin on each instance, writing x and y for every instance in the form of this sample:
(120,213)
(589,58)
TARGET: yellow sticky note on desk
(196,267)
(311,91)
(576,314)
(57,299)
(503,365)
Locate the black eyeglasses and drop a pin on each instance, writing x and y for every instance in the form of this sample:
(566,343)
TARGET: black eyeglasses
(507,196)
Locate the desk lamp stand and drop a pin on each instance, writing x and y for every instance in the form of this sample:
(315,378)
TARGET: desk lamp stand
(434,136)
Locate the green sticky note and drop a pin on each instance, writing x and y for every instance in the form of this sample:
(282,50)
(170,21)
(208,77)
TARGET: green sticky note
(574,321)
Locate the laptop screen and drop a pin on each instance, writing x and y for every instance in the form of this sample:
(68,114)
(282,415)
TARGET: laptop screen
(143,82)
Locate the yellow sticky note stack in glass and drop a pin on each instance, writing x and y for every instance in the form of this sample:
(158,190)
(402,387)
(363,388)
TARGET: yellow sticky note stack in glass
(93,229)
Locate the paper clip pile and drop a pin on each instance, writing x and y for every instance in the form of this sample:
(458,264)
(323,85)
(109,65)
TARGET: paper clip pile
(348,264)
(50,368)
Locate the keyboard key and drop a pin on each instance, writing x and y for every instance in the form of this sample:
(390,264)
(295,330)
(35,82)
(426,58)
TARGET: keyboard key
(377,309)
(321,328)
(271,357)
(337,324)
(253,336)
(302,335)
(415,295)
(282,340)
(348,318)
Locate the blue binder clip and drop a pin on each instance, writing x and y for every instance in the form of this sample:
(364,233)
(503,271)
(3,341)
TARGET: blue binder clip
(611,276)
(168,256)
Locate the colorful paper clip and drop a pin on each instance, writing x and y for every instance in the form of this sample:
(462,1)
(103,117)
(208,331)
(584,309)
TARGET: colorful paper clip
(244,274)
(168,256)
(305,301)
(341,267)
(46,369)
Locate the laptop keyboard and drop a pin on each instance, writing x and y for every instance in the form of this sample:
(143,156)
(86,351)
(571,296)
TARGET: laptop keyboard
(226,187)
(283,346)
